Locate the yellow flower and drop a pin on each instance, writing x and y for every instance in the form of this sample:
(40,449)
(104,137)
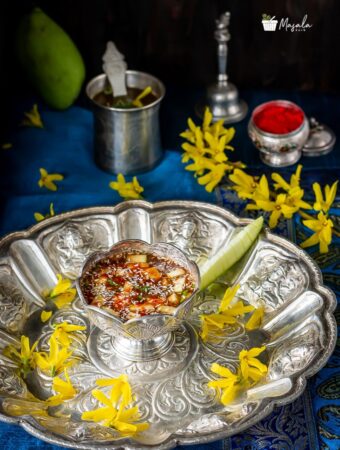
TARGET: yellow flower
(137,101)
(47,179)
(32,118)
(294,198)
(323,232)
(39,217)
(256,319)
(63,285)
(65,299)
(262,190)
(200,164)
(189,134)
(217,129)
(213,177)
(227,315)
(212,323)
(194,134)
(230,383)
(24,356)
(192,152)
(237,309)
(121,388)
(217,145)
(278,208)
(294,180)
(250,366)
(324,203)
(62,331)
(62,294)
(127,190)
(56,360)
(64,389)
(116,412)
(45,315)
(206,146)
(247,187)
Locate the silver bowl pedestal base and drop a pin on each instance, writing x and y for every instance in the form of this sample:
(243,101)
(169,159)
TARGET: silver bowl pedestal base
(147,360)
(143,350)
(281,159)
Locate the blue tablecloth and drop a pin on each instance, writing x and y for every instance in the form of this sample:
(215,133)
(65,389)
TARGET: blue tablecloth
(65,146)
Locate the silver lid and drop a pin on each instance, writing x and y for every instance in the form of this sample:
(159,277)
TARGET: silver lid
(321,139)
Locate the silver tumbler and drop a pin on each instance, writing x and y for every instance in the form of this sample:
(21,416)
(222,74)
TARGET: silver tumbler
(127,140)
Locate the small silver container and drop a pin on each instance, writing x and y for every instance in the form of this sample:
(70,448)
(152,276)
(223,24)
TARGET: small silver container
(127,140)
(279,150)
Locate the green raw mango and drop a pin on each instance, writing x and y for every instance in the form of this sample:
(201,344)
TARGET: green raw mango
(50,59)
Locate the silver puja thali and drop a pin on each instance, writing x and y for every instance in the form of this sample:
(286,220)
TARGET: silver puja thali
(299,330)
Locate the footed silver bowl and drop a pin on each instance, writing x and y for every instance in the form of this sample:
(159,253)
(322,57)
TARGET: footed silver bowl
(278,150)
(146,337)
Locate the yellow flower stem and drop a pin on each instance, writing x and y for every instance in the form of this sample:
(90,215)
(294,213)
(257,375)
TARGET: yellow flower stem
(307,216)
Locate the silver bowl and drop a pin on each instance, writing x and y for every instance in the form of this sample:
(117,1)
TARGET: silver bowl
(149,336)
(278,150)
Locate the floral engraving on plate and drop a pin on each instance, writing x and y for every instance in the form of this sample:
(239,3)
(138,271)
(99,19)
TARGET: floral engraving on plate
(13,306)
(74,241)
(275,281)
(196,234)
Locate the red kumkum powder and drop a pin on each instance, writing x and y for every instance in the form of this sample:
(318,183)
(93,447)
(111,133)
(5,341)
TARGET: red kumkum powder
(278,118)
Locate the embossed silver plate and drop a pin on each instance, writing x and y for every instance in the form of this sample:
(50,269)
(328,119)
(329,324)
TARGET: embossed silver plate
(299,329)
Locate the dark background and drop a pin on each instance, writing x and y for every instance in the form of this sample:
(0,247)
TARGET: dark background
(173,39)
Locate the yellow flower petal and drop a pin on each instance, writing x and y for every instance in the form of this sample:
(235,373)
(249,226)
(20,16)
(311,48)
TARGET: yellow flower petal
(255,351)
(229,394)
(222,371)
(32,118)
(39,217)
(23,356)
(45,315)
(228,297)
(239,309)
(62,286)
(280,182)
(97,415)
(250,367)
(274,217)
(256,319)
(313,240)
(65,299)
(57,359)
(207,118)
(137,101)
(253,362)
